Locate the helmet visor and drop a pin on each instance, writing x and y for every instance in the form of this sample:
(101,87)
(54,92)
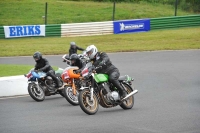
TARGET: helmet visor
(73,61)
(36,59)
(90,52)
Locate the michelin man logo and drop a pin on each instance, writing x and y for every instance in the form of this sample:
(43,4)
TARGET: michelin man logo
(124,27)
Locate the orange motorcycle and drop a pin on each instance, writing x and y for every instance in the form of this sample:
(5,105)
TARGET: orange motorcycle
(72,83)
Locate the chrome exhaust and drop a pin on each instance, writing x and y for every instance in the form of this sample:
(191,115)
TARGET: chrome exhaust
(130,94)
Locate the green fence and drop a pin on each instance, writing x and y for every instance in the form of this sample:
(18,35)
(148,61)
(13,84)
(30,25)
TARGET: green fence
(53,30)
(2,32)
(155,23)
(175,22)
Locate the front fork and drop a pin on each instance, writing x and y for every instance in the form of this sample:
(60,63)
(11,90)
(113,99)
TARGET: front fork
(37,83)
(91,94)
(92,88)
(91,91)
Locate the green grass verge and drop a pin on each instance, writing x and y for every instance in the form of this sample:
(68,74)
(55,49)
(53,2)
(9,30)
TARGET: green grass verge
(12,70)
(174,39)
(8,70)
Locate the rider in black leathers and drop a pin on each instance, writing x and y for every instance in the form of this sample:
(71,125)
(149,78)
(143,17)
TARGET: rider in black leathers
(73,48)
(76,61)
(42,64)
(102,59)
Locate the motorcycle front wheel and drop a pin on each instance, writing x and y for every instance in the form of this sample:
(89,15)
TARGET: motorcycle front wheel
(69,96)
(88,106)
(36,93)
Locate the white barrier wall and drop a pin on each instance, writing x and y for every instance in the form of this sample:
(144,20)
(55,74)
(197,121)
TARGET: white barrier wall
(86,29)
(14,85)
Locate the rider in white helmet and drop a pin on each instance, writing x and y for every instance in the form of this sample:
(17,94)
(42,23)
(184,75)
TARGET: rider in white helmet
(102,59)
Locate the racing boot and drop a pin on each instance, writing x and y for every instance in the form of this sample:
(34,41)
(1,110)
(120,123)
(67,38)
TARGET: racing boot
(58,83)
(122,92)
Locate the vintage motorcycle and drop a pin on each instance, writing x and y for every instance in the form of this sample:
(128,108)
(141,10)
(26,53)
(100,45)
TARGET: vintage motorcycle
(100,91)
(72,80)
(41,85)
(72,84)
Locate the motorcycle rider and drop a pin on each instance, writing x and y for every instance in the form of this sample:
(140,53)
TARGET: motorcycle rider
(42,64)
(73,48)
(102,59)
(76,61)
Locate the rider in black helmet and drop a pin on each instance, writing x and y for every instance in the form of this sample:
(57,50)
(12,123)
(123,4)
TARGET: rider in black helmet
(42,64)
(76,61)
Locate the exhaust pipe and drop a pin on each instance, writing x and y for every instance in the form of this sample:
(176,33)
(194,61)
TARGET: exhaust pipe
(130,94)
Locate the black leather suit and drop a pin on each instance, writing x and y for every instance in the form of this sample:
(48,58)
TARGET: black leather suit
(73,50)
(102,59)
(43,65)
(80,64)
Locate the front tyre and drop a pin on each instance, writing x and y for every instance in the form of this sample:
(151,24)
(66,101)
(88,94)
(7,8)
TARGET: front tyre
(88,106)
(69,96)
(129,102)
(36,93)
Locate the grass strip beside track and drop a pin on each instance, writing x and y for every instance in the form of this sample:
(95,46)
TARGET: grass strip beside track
(174,39)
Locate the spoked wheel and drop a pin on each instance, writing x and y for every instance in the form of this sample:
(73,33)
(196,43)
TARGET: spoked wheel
(70,97)
(129,102)
(36,93)
(88,106)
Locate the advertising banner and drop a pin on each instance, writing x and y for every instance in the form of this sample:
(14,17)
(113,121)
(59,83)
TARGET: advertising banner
(129,26)
(24,31)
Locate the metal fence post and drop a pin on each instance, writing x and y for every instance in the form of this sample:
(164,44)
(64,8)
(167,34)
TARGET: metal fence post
(46,13)
(176,5)
(113,11)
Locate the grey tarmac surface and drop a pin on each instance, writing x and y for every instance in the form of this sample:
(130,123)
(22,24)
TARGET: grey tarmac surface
(168,100)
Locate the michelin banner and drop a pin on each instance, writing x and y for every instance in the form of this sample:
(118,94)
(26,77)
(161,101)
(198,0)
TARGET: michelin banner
(24,31)
(128,26)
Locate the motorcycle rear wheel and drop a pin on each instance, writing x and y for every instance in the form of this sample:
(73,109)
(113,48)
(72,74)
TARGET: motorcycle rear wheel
(88,106)
(69,96)
(36,93)
(129,102)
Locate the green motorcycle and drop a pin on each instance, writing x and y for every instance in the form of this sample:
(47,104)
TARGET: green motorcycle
(99,91)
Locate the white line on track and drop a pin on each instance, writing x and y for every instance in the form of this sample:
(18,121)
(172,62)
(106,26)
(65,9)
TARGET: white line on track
(8,97)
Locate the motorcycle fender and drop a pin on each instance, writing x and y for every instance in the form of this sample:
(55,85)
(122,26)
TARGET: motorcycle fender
(128,85)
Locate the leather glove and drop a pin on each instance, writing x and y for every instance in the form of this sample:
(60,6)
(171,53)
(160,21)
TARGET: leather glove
(78,71)
(36,71)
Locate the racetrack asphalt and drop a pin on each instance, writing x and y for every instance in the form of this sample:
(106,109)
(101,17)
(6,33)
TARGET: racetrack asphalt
(168,100)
